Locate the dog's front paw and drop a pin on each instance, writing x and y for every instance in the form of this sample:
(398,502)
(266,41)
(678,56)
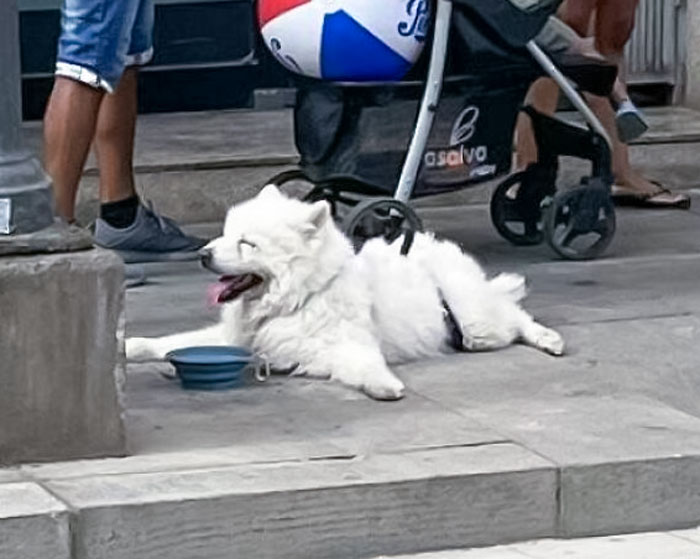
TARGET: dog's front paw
(142,349)
(384,388)
(550,341)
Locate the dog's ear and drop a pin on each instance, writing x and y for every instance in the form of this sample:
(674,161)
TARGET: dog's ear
(270,191)
(319,214)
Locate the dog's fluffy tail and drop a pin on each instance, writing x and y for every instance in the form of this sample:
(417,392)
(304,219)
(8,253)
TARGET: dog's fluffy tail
(512,286)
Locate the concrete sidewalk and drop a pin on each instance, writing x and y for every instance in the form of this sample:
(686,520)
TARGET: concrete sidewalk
(485,449)
(659,545)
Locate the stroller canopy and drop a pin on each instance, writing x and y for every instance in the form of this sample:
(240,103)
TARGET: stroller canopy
(511,22)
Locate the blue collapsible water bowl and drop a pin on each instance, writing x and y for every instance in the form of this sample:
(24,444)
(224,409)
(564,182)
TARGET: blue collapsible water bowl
(211,367)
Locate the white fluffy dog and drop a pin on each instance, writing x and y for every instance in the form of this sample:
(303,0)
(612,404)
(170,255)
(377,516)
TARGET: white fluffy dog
(293,289)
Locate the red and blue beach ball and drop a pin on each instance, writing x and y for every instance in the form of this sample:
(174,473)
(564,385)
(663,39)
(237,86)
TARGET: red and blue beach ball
(346,40)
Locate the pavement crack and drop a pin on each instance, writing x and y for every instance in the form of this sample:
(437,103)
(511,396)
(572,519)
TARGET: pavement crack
(613,320)
(478,444)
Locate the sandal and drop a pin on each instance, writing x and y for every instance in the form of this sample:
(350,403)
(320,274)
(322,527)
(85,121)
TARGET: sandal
(661,198)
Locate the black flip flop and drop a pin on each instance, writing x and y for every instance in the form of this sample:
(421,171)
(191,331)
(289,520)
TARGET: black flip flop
(626,197)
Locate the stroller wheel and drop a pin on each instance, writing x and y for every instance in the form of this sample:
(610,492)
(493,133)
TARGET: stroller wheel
(319,193)
(380,217)
(516,211)
(579,224)
(296,184)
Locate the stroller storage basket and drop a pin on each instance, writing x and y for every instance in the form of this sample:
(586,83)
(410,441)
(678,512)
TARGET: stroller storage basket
(340,132)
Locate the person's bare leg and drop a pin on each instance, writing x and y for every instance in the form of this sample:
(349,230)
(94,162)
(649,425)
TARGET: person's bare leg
(543,96)
(614,23)
(544,93)
(578,14)
(620,153)
(626,177)
(114,139)
(69,126)
(619,93)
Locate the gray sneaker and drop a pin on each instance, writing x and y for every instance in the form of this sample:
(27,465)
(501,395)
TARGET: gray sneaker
(151,238)
(630,122)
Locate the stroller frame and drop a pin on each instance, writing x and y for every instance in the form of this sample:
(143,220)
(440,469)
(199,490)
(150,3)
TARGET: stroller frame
(537,211)
(433,91)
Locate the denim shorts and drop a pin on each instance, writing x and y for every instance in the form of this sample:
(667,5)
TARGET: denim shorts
(100,38)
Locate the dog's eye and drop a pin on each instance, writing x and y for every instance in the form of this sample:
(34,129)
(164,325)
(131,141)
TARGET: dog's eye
(244,245)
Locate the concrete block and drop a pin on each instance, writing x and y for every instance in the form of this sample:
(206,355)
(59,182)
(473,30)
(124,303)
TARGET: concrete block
(33,524)
(188,196)
(630,497)
(58,342)
(411,502)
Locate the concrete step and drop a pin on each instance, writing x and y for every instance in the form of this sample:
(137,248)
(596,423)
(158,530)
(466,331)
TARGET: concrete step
(195,165)
(330,507)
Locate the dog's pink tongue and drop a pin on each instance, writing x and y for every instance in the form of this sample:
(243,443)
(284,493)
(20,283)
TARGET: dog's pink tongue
(214,291)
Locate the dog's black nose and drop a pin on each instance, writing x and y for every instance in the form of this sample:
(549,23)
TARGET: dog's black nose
(206,255)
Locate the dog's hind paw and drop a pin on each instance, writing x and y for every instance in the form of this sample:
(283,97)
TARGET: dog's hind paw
(384,389)
(549,341)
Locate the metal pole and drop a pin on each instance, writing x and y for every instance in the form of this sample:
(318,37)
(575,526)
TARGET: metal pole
(431,98)
(25,194)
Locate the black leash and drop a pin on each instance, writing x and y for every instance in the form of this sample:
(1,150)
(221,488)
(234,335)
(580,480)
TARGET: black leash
(456,337)
(408,238)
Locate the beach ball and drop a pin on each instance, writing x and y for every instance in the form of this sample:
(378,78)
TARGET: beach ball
(346,40)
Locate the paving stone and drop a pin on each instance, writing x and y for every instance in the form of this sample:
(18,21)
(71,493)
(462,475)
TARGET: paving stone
(630,497)
(638,546)
(598,404)
(33,523)
(689,535)
(321,418)
(586,429)
(384,503)
(505,552)
(657,545)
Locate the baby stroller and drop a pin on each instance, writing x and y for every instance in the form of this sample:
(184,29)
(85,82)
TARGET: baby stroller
(352,137)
